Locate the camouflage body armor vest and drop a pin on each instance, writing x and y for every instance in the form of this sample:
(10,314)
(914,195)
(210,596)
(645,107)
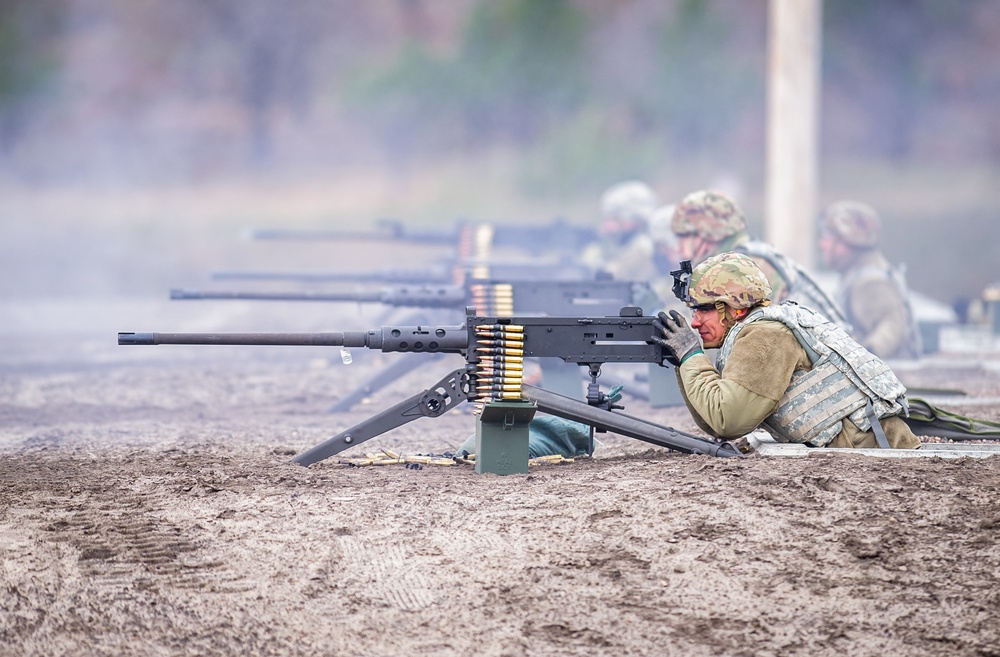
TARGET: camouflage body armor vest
(913,346)
(801,286)
(845,378)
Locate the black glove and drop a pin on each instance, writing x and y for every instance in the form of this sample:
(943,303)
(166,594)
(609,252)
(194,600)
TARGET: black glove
(676,336)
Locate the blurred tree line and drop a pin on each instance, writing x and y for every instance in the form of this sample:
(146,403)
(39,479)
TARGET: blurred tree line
(587,91)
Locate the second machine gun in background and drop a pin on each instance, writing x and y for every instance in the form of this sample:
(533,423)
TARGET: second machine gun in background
(490,297)
(554,237)
(494,348)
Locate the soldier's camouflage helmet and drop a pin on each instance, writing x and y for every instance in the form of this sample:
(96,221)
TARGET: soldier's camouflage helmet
(709,214)
(853,223)
(631,199)
(732,278)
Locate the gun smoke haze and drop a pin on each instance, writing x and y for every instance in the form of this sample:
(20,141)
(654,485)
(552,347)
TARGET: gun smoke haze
(149,502)
(139,138)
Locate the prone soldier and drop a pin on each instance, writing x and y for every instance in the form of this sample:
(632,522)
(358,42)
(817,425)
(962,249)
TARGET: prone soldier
(708,222)
(783,366)
(872,292)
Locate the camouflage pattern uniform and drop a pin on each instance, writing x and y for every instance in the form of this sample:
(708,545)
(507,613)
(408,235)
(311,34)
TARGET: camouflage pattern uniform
(766,369)
(872,292)
(716,219)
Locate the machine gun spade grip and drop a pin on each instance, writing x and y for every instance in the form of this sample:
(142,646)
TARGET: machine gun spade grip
(436,400)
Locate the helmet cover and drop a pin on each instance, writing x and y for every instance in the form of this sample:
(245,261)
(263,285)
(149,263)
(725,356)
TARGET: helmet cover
(732,278)
(710,214)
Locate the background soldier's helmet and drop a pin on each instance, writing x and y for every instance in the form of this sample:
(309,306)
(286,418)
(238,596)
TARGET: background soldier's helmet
(710,214)
(853,223)
(629,200)
(732,278)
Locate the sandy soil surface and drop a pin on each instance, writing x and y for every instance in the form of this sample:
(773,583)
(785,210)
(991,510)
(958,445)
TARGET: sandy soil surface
(149,507)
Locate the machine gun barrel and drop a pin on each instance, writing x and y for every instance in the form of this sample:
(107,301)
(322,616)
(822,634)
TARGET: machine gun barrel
(386,230)
(559,235)
(550,297)
(417,296)
(256,339)
(424,275)
(441,339)
(464,269)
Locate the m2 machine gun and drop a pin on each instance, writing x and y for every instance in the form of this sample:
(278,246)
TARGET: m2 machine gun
(600,295)
(557,236)
(490,297)
(494,349)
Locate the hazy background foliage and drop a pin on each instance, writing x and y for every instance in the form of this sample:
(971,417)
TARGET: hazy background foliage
(432,110)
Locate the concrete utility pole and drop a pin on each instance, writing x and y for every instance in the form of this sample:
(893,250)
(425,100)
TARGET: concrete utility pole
(790,204)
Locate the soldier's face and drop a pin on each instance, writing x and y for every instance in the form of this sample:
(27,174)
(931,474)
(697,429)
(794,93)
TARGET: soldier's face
(693,247)
(709,326)
(836,254)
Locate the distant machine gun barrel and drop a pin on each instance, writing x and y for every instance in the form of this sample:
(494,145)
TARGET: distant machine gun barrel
(416,296)
(424,275)
(386,230)
(554,297)
(557,235)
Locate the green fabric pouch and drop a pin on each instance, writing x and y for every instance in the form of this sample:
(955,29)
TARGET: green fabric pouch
(549,435)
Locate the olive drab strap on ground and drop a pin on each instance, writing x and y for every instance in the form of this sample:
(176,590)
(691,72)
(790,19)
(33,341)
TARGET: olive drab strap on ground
(894,276)
(844,379)
(801,285)
(928,420)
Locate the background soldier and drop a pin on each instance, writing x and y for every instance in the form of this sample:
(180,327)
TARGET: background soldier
(665,254)
(783,367)
(625,249)
(708,222)
(872,292)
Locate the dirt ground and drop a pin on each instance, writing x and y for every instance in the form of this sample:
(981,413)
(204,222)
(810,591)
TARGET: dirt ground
(149,507)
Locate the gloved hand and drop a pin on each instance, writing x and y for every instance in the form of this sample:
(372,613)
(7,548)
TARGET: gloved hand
(676,336)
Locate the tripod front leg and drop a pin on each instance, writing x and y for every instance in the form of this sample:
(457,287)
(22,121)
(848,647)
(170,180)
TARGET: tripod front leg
(443,396)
